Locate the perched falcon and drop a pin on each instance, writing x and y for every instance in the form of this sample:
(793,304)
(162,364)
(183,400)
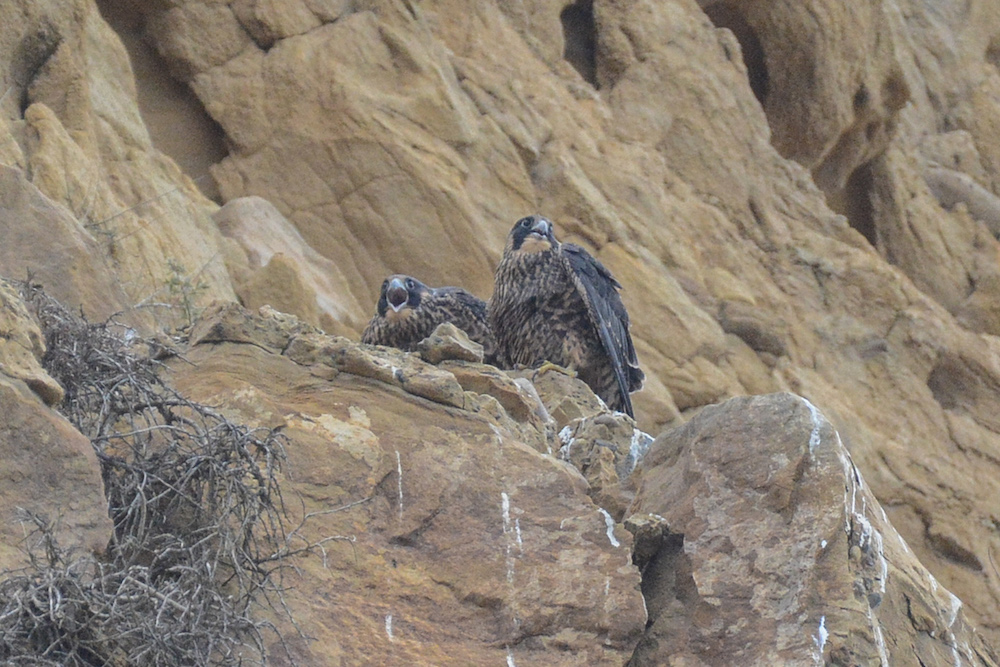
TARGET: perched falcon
(553,302)
(408,311)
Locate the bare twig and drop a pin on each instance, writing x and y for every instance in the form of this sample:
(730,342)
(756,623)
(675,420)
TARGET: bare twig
(199,520)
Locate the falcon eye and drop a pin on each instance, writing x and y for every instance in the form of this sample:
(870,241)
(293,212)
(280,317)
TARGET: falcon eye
(409,283)
(526,222)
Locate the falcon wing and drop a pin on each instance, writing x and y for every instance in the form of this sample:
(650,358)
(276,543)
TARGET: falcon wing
(474,304)
(608,315)
(469,314)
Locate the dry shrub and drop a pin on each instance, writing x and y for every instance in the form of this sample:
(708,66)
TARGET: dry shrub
(198,541)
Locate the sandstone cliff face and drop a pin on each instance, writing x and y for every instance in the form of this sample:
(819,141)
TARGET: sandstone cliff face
(458,538)
(796,196)
(49,468)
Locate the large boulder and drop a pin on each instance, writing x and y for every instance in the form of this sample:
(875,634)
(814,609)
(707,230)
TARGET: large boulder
(51,478)
(761,544)
(442,531)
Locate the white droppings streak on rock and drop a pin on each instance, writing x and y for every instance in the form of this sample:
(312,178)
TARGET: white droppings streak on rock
(883,652)
(566,438)
(388,627)
(822,544)
(507,530)
(820,640)
(510,658)
(517,531)
(610,523)
(866,530)
(956,655)
(869,536)
(511,533)
(638,448)
(498,434)
(850,478)
(817,420)
(399,483)
(883,561)
(854,519)
(528,388)
(956,606)
(873,539)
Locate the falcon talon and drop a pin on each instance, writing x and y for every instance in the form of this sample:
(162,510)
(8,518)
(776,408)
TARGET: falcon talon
(549,366)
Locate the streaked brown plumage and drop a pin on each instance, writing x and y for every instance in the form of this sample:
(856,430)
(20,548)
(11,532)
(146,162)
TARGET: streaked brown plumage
(554,302)
(408,311)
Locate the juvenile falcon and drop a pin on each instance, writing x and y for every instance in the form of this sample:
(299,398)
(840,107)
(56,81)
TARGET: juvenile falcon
(553,302)
(408,311)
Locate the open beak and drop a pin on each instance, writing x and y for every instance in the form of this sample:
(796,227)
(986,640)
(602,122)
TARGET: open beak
(542,227)
(396,295)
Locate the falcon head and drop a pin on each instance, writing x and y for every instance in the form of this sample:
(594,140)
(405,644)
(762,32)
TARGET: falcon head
(531,234)
(400,296)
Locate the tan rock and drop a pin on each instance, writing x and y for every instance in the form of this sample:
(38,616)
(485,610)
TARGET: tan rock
(340,117)
(407,137)
(564,396)
(449,539)
(522,402)
(231,323)
(952,187)
(752,325)
(50,470)
(85,147)
(196,36)
(449,342)
(417,132)
(783,556)
(22,347)
(72,268)
(278,284)
(605,448)
(288,274)
(268,21)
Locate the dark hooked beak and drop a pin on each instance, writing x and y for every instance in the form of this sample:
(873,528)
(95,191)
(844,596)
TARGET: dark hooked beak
(542,227)
(396,294)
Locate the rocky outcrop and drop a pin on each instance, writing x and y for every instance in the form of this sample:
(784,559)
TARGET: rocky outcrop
(121,222)
(436,523)
(278,268)
(448,534)
(761,544)
(50,473)
(795,197)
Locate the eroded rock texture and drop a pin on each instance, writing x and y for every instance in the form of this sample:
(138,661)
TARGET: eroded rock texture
(49,470)
(795,196)
(454,537)
(761,544)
